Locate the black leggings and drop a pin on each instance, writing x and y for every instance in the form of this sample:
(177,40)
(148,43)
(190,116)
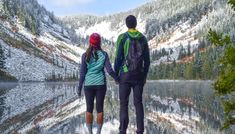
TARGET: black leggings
(92,92)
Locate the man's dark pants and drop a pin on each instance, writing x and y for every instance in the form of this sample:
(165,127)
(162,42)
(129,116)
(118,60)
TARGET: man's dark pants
(124,93)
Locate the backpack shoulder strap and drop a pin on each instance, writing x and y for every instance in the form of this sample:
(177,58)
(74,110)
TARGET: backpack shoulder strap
(128,36)
(126,46)
(125,37)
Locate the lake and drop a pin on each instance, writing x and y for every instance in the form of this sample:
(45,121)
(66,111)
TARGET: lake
(171,107)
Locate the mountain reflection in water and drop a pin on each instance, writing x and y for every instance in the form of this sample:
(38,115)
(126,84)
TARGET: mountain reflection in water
(171,107)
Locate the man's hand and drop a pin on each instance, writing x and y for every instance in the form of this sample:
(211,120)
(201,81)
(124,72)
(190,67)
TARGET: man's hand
(145,81)
(117,81)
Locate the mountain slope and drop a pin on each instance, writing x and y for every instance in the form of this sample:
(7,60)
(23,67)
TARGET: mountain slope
(176,31)
(36,45)
(151,17)
(167,24)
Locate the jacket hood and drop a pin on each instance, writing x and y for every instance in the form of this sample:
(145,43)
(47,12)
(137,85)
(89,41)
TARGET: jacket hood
(135,33)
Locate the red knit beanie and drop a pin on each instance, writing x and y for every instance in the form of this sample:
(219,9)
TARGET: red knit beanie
(95,40)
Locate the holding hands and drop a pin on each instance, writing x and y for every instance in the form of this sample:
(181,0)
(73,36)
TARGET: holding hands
(117,80)
(79,92)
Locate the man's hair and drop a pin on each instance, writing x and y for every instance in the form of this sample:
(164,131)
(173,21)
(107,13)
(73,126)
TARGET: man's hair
(131,21)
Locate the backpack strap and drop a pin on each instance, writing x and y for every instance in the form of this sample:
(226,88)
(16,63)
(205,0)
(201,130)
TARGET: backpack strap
(125,37)
(126,48)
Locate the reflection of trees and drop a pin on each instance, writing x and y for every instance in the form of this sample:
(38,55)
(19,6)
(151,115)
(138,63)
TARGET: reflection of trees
(111,106)
(4,88)
(191,97)
(68,126)
(60,94)
(68,90)
(111,109)
(197,96)
(2,102)
(112,112)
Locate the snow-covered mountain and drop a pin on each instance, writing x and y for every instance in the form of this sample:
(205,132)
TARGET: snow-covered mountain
(36,45)
(174,26)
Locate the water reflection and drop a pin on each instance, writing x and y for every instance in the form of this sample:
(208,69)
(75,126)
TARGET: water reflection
(4,88)
(53,108)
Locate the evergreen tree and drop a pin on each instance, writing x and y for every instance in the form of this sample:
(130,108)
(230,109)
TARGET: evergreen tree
(164,52)
(171,51)
(197,65)
(57,61)
(224,85)
(189,71)
(74,75)
(53,76)
(2,7)
(53,59)
(206,69)
(182,53)
(2,58)
(189,49)
(9,52)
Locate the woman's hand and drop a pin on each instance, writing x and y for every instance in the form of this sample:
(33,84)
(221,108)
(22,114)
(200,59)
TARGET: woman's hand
(79,92)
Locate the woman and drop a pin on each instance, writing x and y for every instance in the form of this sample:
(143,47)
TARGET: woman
(92,72)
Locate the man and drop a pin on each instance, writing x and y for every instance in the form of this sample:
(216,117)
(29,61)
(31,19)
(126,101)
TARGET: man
(132,63)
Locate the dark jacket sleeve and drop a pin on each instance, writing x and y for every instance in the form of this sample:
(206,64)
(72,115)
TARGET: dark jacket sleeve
(83,71)
(119,55)
(146,59)
(109,68)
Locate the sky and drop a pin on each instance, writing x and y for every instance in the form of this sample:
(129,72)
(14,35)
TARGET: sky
(94,7)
